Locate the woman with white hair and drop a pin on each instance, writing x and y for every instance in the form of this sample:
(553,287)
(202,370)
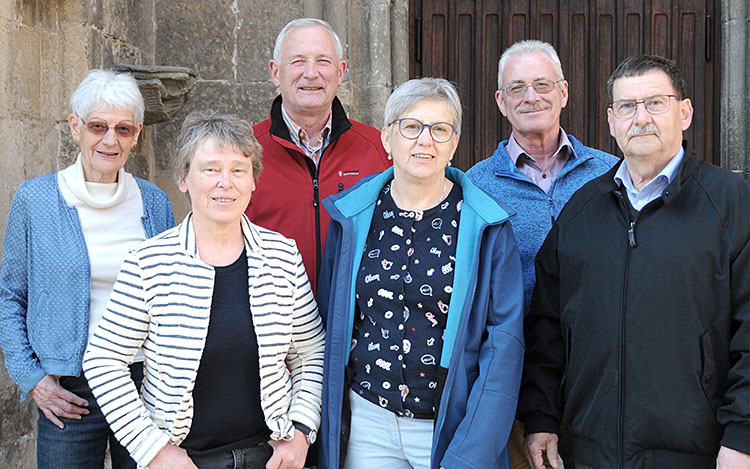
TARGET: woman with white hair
(421,292)
(67,234)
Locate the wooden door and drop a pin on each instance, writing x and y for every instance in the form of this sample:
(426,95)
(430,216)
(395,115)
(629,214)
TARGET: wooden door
(462,40)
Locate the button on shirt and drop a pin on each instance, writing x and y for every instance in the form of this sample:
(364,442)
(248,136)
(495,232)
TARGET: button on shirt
(542,177)
(655,187)
(302,140)
(403,293)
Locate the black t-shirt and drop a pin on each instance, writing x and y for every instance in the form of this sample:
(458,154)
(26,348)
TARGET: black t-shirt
(226,397)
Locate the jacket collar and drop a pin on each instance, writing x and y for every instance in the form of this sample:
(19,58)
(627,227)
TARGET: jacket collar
(366,192)
(186,235)
(606,182)
(339,122)
(504,165)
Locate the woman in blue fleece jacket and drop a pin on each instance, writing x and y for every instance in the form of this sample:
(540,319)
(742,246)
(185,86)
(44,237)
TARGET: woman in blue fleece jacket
(67,234)
(421,292)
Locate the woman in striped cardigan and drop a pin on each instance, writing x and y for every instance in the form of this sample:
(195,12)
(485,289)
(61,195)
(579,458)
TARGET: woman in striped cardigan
(224,314)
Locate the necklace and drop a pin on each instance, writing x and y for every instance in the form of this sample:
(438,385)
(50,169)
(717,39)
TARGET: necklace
(442,196)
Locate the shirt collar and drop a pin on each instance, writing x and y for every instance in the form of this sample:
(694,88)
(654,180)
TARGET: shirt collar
(300,137)
(515,151)
(668,173)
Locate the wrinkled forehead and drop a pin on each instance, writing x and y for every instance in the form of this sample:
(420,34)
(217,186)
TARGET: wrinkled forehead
(306,40)
(650,83)
(528,67)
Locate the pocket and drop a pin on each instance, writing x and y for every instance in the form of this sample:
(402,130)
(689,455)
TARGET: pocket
(708,375)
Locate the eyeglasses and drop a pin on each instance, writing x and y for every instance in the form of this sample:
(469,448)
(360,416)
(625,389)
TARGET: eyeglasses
(516,90)
(411,129)
(100,128)
(626,108)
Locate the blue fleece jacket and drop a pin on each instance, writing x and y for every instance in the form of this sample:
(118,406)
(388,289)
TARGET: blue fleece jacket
(536,210)
(45,279)
(483,349)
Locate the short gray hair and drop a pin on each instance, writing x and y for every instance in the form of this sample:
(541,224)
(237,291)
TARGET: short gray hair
(306,23)
(530,46)
(223,130)
(413,91)
(108,88)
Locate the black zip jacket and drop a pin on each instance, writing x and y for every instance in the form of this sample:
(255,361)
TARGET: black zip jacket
(639,328)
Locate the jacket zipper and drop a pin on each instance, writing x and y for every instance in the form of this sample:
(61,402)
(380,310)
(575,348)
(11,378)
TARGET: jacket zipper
(315,174)
(621,398)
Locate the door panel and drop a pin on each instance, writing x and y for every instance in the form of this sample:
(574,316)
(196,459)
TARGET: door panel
(462,40)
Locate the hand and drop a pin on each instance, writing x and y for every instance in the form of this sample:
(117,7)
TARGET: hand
(732,459)
(55,401)
(288,454)
(172,457)
(541,450)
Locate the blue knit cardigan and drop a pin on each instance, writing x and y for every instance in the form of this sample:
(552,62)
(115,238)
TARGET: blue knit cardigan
(45,279)
(536,210)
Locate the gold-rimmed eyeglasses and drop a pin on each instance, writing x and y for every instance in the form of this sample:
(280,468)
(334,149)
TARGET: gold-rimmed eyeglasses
(100,128)
(516,90)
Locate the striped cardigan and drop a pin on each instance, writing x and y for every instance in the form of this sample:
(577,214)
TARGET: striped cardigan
(161,302)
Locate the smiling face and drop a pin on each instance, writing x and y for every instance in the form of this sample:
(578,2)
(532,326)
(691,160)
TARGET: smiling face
(309,72)
(423,158)
(532,114)
(643,136)
(102,156)
(219,182)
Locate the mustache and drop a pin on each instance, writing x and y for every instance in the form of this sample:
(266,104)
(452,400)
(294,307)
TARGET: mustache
(540,106)
(644,129)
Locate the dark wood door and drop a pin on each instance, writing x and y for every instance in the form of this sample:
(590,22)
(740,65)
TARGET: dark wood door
(462,40)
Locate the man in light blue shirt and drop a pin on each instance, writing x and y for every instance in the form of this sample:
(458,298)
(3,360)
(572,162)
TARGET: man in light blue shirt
(638,337)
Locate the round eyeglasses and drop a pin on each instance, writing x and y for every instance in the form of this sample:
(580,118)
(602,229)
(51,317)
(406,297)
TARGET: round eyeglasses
(654,105)
(516,90)
(411,129)
(100,128)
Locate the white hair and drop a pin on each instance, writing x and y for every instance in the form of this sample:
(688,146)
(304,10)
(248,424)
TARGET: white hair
(306,23)
(530,46)
(103,88)
(413,91)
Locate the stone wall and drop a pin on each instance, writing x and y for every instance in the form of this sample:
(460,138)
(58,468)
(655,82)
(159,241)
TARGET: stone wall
(735,86)
(47,46)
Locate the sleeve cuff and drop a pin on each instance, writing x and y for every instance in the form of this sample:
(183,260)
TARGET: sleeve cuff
(737,437)
(539,423)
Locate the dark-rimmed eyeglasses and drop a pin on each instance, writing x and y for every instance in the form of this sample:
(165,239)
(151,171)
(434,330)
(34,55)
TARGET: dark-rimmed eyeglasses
(411,129)
(654,105)
(100,128)
(516,90)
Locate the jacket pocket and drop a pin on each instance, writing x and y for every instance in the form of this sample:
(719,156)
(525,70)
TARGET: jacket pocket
(708,375)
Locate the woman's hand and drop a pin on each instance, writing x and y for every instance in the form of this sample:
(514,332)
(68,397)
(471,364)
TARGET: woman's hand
(288,454)
(56,401)
(172,457)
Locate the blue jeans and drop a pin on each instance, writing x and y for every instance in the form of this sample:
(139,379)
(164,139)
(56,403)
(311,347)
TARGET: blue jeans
(380,439)
(82,444)
(242,458)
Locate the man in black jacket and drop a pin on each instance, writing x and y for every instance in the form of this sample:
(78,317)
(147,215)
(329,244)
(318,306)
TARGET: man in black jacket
(639,329)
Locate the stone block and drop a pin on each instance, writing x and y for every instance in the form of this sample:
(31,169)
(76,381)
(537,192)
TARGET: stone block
(260,23)
(24,71)
(16,418)
(14,145)
(36,14)
(199,35)
(5,70)
(19,453)
(53,104)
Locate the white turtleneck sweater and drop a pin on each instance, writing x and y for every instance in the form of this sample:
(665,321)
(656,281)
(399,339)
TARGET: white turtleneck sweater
(110,216)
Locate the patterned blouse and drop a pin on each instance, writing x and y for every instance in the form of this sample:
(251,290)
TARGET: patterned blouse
(403,291)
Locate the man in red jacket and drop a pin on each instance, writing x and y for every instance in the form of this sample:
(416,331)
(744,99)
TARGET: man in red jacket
(310,148)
